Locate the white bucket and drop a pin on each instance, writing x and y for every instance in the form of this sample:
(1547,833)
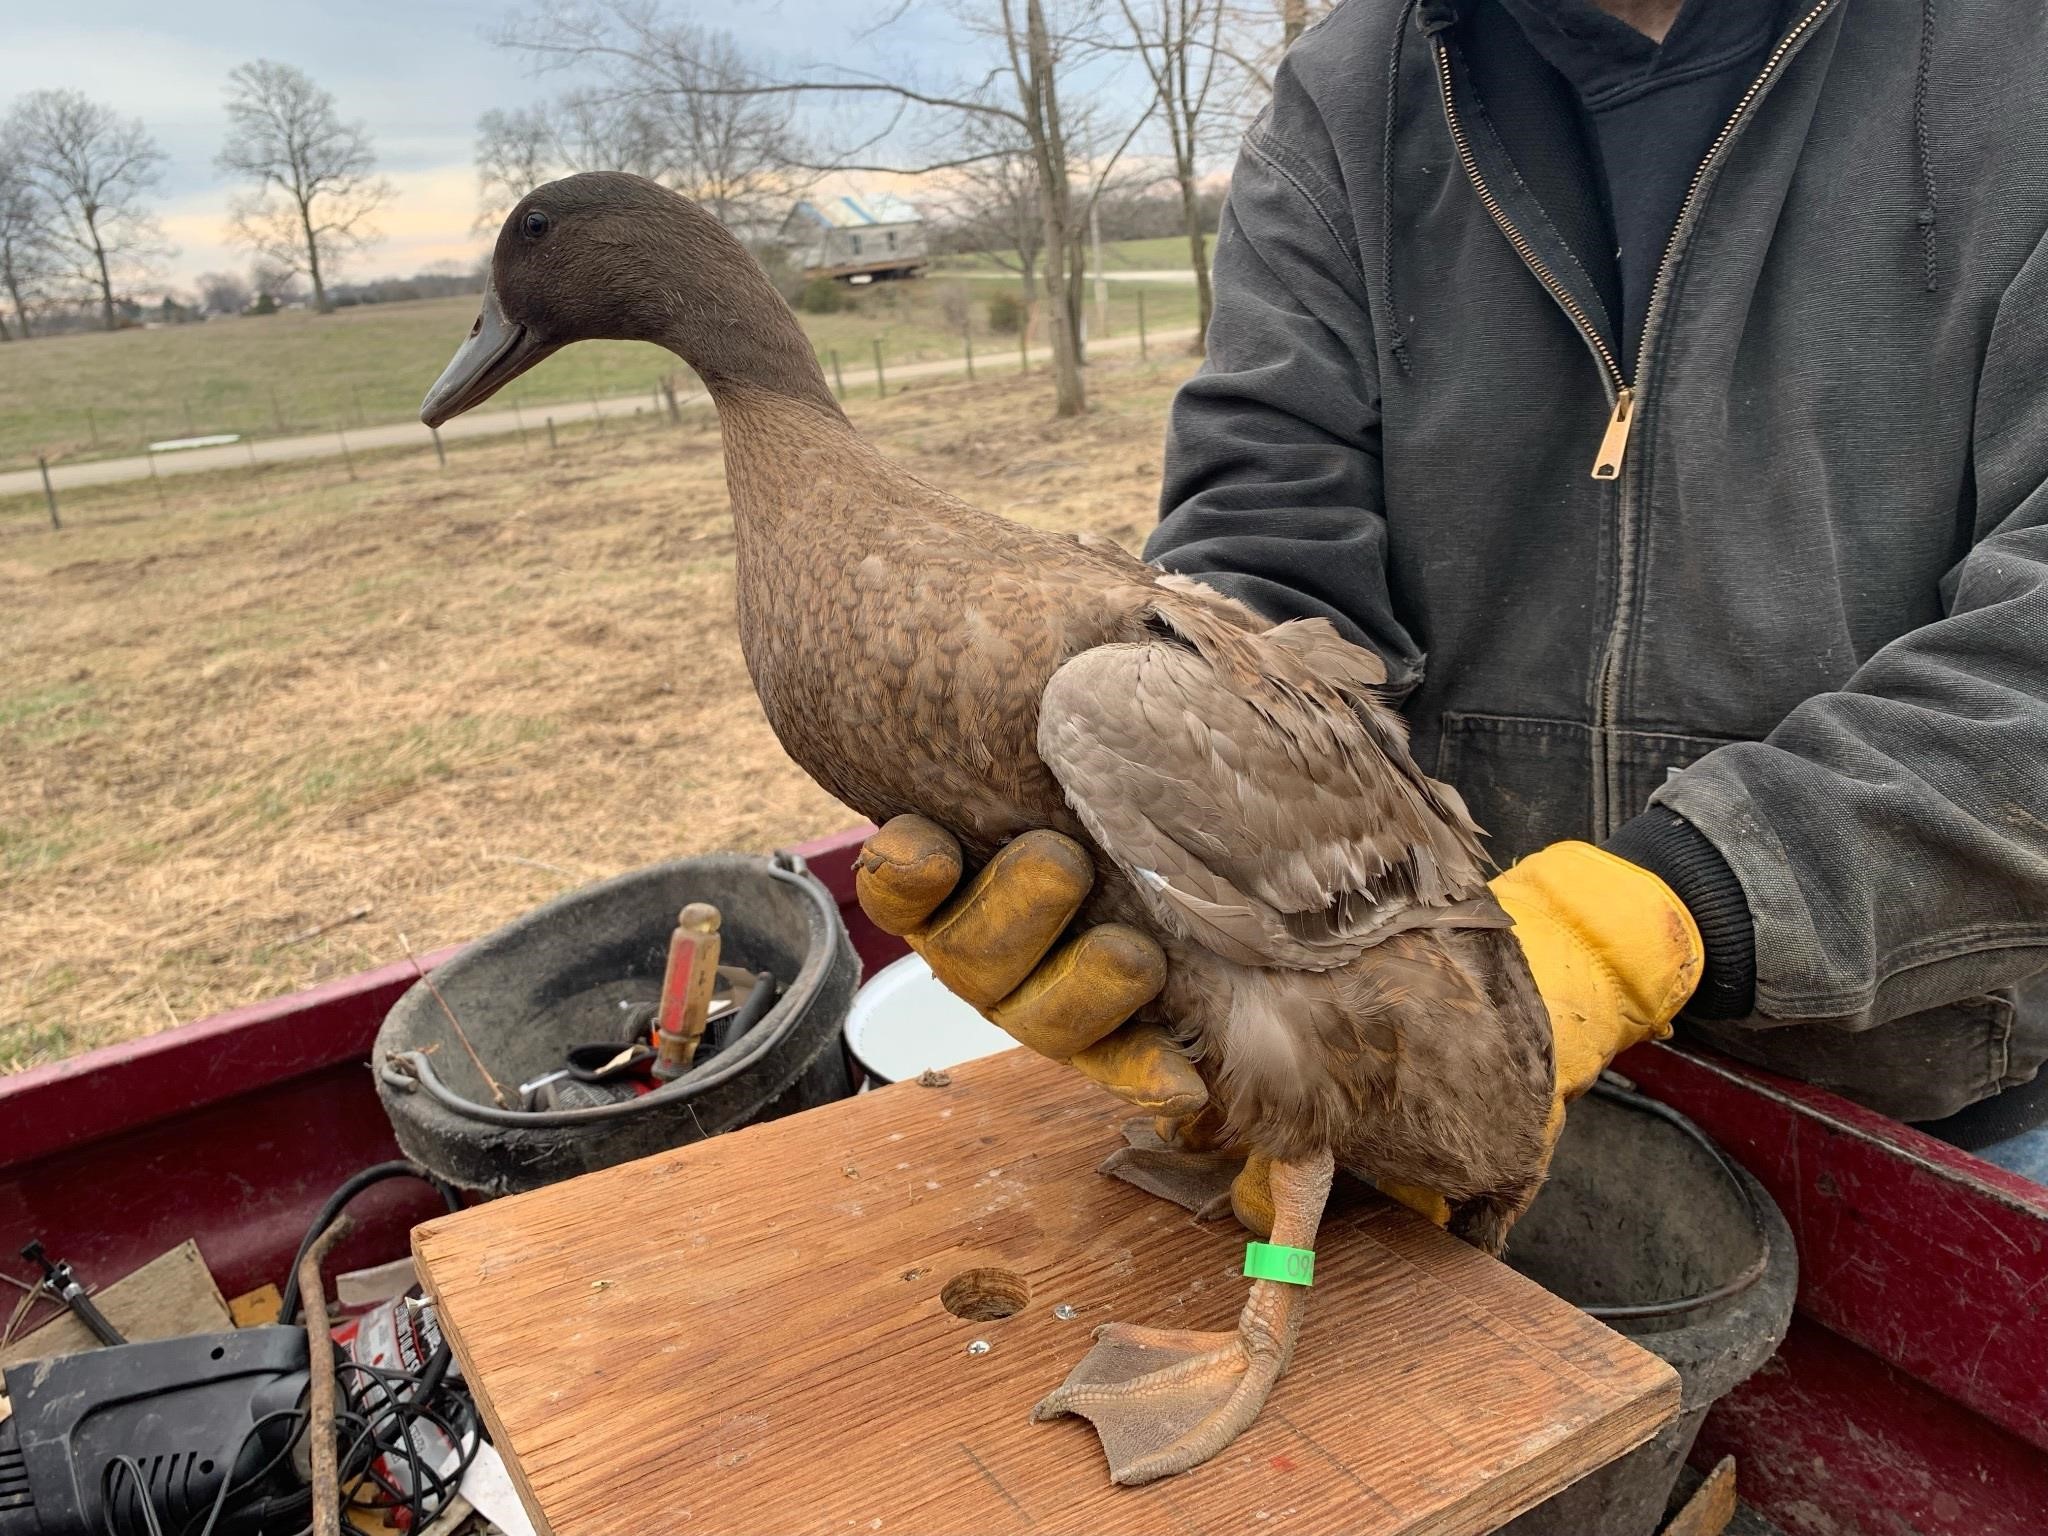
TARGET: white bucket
(904,1022)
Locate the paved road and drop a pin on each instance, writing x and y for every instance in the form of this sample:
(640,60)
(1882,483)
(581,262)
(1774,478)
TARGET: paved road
(410,434)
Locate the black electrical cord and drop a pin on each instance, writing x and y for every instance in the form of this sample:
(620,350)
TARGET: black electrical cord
(400,1169)
(382,1417)
(229,1483)
(150,1523)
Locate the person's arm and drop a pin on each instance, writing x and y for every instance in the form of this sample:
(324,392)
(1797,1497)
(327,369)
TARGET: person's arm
(1272,489)
(1891,837)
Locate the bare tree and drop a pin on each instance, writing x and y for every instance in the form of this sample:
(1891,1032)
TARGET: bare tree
(1254,44)
(91,169)
(1179,43)
(25,256)
(1029,51)
(582,131)
(994,204)
(223,293)
(515,152)
(672,101)
(316,182)
(274,283)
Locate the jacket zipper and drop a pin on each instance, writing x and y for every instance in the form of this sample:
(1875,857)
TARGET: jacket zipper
(1613,450)
(1609,773)
(1617,430)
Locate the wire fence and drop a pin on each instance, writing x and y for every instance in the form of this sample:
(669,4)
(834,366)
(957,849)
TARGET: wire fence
(662,400)
(146,417)
(211,447)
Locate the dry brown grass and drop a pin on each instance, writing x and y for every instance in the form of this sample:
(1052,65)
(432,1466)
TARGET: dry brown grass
(276,698)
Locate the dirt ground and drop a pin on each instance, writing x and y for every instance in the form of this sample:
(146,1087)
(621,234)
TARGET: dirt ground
(276,727)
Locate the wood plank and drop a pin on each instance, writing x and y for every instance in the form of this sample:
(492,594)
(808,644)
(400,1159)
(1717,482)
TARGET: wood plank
(1711,1506)
(172,1295)
(746,1335)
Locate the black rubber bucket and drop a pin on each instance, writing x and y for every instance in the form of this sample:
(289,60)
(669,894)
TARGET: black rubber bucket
(565,974)
(1643,1214)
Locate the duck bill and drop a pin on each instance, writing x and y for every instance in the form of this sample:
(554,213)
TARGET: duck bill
(495,354)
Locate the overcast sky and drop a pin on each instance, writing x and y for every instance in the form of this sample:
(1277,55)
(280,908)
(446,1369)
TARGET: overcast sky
(419,71)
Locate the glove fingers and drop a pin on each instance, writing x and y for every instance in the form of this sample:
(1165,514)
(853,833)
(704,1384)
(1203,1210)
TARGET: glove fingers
(1141,1065)
(1251,1195)
(1206,1132)
(904,872)
(1083,990)
(1426,1203)
(986,940)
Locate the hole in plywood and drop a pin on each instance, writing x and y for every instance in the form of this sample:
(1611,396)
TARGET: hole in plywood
(983,1295)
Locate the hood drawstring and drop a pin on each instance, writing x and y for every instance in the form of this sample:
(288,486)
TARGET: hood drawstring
(1397,340)
(1922,149)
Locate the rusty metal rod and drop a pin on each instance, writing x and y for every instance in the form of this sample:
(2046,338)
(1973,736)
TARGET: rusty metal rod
(320,1356)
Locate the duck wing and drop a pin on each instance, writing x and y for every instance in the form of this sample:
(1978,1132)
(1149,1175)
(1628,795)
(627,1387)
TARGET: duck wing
(1255,788)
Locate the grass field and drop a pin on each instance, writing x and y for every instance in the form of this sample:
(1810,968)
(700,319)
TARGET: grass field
(1155,255)
(98,394)
(434,698)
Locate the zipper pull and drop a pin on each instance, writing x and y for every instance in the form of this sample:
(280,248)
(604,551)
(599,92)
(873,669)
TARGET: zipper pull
(1615,441)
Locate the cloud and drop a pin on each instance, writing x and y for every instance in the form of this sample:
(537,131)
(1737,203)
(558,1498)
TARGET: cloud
(428,220)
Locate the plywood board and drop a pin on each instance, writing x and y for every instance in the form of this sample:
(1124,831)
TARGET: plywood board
(746,1335)
(172,1295)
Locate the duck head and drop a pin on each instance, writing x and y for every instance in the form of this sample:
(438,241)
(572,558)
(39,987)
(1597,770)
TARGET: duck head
(613,256)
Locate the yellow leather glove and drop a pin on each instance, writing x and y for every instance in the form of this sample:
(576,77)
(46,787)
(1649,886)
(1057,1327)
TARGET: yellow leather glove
(1614,953)
(993,945)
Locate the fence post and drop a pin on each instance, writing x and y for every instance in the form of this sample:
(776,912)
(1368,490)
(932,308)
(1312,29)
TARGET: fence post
(675,411)
(597,413)
(346,457)
(49,491)
(249,442)
(967,334)
(881,380)
(439,452)
(92,423)
(154,478)
(838,379)
(1141,321)
(551,434)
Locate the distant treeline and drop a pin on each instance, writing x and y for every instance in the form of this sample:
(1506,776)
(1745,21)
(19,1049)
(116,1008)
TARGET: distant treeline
(1142,215)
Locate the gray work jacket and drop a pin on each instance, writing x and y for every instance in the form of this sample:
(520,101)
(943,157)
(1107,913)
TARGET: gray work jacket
(1804,606)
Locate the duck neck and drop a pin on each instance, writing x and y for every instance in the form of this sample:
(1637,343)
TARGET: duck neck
(732,327)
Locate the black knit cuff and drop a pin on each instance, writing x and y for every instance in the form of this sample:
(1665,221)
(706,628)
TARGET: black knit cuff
(1671,848)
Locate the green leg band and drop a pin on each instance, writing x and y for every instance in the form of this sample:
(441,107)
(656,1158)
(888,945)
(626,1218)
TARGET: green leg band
(1272,1261)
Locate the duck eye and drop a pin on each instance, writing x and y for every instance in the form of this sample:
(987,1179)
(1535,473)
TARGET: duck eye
(534,225)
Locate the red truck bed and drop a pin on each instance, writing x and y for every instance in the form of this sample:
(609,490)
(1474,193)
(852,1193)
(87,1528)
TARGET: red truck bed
(1911,1395)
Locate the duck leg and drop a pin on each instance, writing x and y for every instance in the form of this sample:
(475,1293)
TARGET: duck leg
(1163,1400)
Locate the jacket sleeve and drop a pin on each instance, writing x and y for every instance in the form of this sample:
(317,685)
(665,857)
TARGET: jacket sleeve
(1892,836)
(1272,486)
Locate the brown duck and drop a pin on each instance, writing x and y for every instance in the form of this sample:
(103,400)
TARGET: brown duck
(1337,969)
